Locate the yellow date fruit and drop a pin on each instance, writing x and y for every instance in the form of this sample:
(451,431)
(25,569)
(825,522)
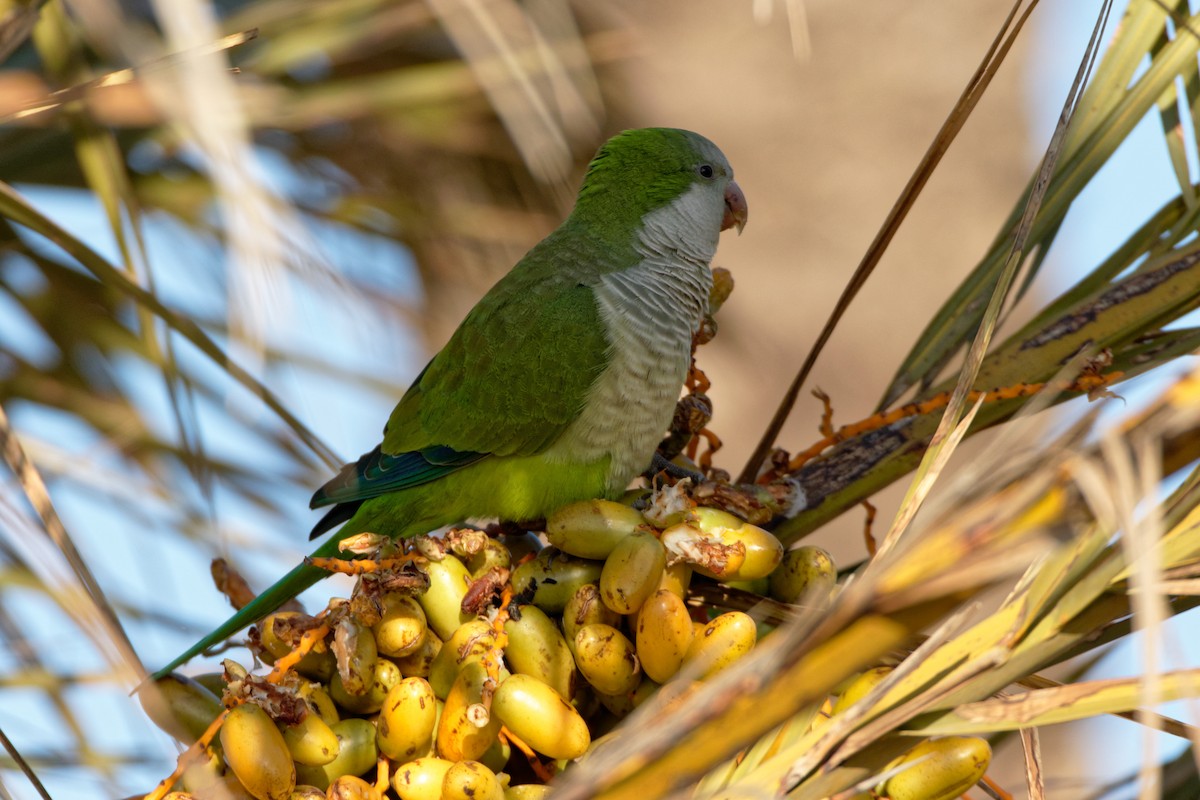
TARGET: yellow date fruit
(466,729)
(857,688)
(442,601)
(421,779)
(804,573)
(950,766)
(591,528)
(356,754)
(722,546)
(406,722)
(306,793)
(317,663)
(664,635)
(721,642)
(257,754)
(351,787)
(540,717)
(606,659)
(401,628)
(386,675)
(311,741)
(553,577)
(470,780)
(469,643)
(586,608)
(632,572)
(536,647)
(493,554)
(418,663)
(271,642)
(319,702)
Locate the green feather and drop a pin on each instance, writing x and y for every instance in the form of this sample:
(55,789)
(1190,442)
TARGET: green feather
(518,369)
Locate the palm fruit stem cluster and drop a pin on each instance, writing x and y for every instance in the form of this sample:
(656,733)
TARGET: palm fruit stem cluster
(450,655)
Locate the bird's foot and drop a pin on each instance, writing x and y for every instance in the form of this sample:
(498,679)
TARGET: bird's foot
(659,464)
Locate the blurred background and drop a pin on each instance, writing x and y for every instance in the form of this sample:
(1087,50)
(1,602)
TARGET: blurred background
(327,199)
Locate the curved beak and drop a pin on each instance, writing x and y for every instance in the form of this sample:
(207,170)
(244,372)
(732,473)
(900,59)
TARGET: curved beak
(736,210)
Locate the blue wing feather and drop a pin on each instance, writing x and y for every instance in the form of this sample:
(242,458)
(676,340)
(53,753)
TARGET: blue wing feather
(378,473)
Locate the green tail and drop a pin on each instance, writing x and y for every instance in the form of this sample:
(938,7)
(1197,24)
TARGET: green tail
(283,590)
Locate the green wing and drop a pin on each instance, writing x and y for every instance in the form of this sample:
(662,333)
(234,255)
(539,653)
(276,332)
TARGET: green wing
(513,376)
(511,379)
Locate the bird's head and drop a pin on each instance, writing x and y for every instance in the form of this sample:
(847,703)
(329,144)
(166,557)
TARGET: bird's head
(647,170)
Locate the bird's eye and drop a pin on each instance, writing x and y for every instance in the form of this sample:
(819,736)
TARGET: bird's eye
(705,170)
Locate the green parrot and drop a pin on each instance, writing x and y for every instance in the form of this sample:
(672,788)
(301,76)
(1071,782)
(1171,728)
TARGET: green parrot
(562,380)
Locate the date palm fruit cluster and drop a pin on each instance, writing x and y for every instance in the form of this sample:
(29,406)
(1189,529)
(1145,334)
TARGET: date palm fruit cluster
(444,686)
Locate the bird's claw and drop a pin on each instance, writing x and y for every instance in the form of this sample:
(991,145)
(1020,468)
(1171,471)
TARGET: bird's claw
(659,464)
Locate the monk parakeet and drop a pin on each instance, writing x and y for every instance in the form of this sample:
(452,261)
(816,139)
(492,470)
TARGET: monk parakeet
(561,381)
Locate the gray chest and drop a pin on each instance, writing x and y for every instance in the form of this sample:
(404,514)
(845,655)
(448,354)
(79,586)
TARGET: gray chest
(650,313)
